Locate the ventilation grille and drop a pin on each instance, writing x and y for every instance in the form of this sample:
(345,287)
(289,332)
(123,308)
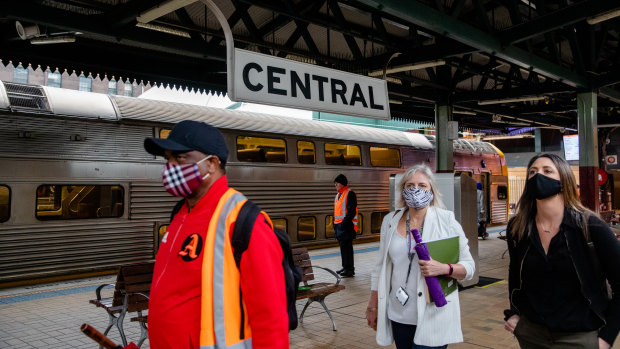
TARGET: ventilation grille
(26,97)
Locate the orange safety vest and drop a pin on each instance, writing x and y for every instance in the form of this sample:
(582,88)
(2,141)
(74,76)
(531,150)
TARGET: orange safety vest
(220,314)
(340,208)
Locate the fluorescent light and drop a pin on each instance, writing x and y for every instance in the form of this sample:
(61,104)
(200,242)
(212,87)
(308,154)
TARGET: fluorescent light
(494,138)
(408,67)
(52,40)
(162,9)
(603,16)
(394,101)
(464,112)
(161,28)
(511,100)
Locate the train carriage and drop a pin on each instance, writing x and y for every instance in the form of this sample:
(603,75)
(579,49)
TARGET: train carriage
(79,195)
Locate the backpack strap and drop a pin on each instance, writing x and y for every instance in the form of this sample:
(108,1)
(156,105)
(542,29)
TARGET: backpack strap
(242,231)
(176,209)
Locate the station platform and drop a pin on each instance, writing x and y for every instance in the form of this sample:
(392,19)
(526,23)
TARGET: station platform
(50,315)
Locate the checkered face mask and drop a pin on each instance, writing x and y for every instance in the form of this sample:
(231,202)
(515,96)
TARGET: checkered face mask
(182,180)
(417,198)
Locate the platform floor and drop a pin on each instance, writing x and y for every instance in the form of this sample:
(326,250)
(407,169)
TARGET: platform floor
(50,315)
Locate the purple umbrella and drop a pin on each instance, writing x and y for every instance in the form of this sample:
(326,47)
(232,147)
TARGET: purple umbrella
(431,281)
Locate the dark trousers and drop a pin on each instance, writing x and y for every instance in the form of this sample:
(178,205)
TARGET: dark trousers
(346,248)
(534,336)
(403,337)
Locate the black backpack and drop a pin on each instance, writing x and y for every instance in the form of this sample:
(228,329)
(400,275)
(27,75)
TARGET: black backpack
(240,241)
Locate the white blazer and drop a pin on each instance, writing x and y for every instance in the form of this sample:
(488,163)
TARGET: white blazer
(435,326)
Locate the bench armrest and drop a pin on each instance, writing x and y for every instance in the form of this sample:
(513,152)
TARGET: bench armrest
(142,294)
(331,272)
(98,290)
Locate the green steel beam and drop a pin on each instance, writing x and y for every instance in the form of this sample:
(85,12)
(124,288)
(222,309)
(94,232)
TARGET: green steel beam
(445,25)
(556,20)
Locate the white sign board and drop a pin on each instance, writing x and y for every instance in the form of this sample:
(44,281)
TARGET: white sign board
(277,81)
(571,147)
(611,160)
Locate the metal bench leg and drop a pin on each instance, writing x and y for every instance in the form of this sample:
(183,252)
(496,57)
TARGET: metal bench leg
(119,325)
(112,322)
(322,301)
(144,331)
(301,317)
(504,253)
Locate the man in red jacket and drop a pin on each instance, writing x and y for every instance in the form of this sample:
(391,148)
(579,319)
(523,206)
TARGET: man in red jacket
(199,298)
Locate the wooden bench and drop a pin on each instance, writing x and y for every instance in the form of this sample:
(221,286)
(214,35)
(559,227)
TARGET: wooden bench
(317,291)
(131,292)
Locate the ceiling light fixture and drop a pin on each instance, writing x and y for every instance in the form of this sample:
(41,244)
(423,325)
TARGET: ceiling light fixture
(395,101)
(463,112)
(603,16)
(162,9)
(60,39)
(511,100)
(409,67)
(27,32)
(162,29)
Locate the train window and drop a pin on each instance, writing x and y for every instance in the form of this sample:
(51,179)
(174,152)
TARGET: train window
(79,201)
(5,203)
(343,154)
(164,133)
(306,153)
(384,157)
(329,227)
(161,231)
(280,223)
(258,149)
(376,219)
(502,192)
(306,228)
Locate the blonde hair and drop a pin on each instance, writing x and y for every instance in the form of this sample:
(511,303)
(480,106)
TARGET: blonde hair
(526,207)
(410,172)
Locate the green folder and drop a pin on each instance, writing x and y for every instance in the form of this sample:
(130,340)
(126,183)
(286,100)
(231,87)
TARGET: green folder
(445,251)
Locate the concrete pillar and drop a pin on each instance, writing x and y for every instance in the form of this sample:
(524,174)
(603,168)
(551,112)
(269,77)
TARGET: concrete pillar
(443,145)
(537,141)
(588,149)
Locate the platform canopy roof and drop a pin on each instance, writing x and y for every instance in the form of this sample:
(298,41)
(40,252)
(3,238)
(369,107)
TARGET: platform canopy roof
(501,63)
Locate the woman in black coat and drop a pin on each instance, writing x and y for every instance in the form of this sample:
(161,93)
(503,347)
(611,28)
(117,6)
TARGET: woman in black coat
(561,255)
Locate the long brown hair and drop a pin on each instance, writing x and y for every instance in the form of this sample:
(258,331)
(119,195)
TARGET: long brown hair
(526,207)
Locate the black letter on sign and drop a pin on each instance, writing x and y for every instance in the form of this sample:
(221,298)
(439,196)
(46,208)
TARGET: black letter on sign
(321,80)
(246,77)
(271,79)
(358,95)
(372,100)
(296,82)
(340,91)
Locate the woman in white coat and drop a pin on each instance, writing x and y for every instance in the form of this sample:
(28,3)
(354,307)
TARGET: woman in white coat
(398,308)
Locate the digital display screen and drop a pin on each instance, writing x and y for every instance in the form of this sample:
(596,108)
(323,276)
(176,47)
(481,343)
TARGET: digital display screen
(571,147)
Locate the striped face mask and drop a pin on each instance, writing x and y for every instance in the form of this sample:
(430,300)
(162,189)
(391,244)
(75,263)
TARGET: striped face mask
(183,180)
(417,198)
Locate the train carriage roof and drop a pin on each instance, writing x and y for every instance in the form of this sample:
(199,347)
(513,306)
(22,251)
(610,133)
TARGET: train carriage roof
(168,112)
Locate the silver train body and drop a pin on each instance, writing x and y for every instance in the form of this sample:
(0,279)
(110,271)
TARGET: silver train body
(84,144)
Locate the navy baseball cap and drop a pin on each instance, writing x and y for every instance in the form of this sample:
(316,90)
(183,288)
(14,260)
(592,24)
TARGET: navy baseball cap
(190,135)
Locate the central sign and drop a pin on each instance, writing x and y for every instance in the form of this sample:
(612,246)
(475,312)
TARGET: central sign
(277,81)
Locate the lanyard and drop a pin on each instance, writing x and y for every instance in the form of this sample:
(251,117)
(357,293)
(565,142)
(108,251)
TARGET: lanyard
(410,246)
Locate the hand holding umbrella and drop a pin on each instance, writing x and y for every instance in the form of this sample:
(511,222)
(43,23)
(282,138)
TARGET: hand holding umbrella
(434,288)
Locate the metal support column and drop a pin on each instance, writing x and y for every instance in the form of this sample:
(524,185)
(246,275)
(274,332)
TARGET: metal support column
(588,149)
(443,145)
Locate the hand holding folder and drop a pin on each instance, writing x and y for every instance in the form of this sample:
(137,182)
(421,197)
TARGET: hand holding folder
(445,251)
(434,287)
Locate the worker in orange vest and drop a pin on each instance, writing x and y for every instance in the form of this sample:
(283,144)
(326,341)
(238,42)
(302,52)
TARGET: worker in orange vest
(345,223)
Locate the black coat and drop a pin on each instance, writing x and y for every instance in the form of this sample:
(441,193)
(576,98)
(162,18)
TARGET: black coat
(592,279)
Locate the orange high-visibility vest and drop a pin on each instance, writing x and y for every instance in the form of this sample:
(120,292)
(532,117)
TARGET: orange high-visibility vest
(340,208)
(220,313)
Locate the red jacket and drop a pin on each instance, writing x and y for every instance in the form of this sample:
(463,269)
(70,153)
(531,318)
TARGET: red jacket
(174,305)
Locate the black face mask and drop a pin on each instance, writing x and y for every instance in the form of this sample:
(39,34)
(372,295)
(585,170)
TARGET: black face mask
(542,186)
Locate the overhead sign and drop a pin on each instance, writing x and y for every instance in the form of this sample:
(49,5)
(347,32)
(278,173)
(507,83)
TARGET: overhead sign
(611,160)
(571,147)
(277,81)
